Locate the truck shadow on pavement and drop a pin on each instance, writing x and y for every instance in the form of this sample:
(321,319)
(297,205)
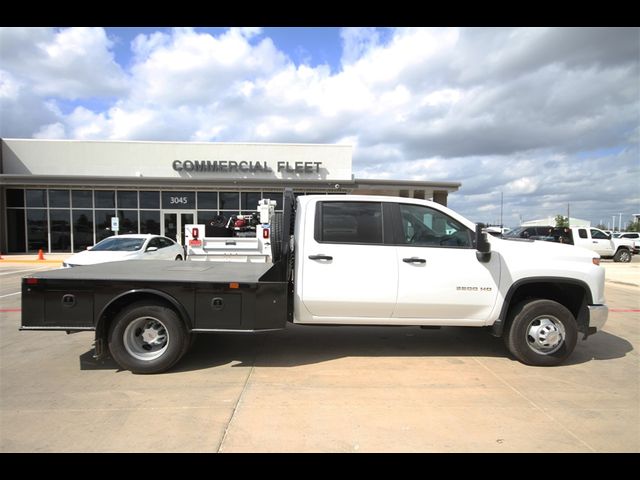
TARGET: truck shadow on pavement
(304,345)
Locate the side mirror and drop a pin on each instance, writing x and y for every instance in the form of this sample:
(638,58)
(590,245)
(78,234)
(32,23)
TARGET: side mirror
(483,247)
(152,249)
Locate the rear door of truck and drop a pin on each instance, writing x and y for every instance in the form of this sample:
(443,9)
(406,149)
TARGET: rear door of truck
(347,269)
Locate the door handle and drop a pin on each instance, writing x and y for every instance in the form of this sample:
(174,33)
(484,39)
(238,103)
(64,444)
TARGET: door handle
(320,257)
(414,260)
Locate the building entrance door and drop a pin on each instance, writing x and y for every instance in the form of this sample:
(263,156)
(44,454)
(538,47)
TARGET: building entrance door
(173,224)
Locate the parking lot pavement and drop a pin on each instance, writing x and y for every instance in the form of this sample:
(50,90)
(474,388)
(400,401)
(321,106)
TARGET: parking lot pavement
(326,389)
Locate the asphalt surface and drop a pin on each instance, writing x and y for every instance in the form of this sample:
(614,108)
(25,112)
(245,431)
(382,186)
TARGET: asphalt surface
(324,389)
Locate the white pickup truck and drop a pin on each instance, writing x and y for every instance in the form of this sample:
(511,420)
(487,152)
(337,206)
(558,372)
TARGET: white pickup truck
(620,249)
(342,260)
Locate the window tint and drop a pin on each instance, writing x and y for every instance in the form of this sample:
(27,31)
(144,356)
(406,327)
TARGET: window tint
(82,198)
(583,233)
(154,242)
(631,235)
(165,242)
(15,197)
(208,200)
(127,199)
(351,222)
(424,226)
(229,200)
(598,235)
(59,198)
(149,199)
(105,198)
(36,198)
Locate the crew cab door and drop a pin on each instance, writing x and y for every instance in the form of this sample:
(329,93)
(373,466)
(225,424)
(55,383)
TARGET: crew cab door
(439,276)
(347,271)
(601,242)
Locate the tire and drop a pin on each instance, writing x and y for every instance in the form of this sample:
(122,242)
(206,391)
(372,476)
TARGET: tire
(167,338)
(541,333)
(178,258)
(276,238)
(622,255)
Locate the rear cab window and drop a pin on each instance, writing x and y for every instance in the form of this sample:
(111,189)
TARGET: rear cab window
(349,222)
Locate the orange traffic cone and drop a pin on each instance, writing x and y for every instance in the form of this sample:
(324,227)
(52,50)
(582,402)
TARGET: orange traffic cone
(40,255)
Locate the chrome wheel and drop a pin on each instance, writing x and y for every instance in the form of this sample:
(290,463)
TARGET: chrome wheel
(146,338)
(545,334)
(625,256)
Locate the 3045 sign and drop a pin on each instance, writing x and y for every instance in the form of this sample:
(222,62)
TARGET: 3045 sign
(177,200)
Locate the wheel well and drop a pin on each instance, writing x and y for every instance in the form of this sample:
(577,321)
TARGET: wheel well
(117,305)
(573,296)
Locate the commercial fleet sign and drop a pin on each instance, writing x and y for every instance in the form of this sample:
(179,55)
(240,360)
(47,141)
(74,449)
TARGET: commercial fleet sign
(245,166)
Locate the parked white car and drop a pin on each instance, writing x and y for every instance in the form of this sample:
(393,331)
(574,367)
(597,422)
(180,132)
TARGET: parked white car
(128,247)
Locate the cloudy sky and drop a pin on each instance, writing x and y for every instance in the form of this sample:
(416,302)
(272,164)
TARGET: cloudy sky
(545,116)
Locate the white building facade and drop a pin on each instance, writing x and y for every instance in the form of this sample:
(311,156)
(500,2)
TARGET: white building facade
(61,195)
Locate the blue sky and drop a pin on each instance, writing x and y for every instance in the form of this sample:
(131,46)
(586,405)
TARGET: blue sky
(545,116)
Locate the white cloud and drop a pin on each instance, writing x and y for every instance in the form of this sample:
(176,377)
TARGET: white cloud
(542,115)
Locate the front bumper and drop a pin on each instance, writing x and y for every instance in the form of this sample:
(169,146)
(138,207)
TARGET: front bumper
(597,316)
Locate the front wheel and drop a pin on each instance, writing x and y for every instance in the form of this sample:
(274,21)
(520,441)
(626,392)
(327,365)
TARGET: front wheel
(147,338)
(622,255)
(542,333)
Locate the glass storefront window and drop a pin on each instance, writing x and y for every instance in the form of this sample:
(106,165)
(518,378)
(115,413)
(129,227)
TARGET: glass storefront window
(82,198)
(36,198)
(128,221)
(229,201)
(277,196)
(37,229)
(82,229)
(58,198)
(105,198)
(60,228)
(150,221)
(149,199)
(15,197)
(103,224)
(127,199)
(249,201)
(208,200)
(15,230)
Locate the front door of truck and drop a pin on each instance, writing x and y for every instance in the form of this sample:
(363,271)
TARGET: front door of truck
(601,242)
(439,276)
(349,275)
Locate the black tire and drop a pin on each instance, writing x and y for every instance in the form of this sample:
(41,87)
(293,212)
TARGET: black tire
(535,335)
(132,351)
(178,258)
(276,238)
(622,255)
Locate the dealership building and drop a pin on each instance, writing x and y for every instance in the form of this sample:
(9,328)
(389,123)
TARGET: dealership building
(63,195)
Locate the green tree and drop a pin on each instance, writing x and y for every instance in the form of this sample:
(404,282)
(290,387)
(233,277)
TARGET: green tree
(601,226)
(561,221)
(633,226)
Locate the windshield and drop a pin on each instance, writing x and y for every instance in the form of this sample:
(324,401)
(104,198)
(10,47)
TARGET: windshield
(115,244)
(515,232)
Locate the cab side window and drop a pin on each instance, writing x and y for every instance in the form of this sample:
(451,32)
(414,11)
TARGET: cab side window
(424,226)
(350,222)
(598,235)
